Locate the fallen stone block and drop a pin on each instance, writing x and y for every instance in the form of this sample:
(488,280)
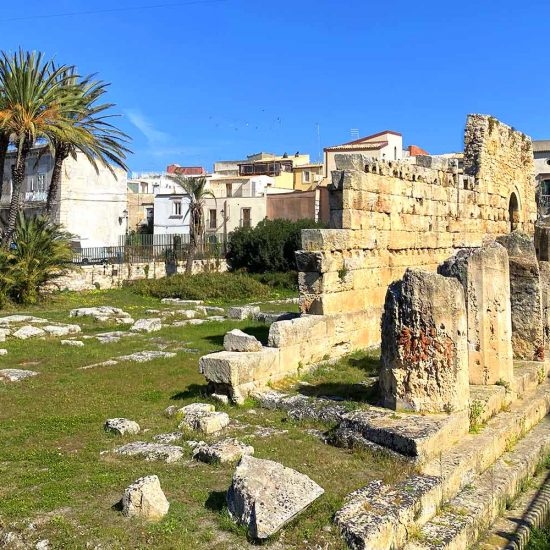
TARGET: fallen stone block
(144,498)
(151,451)
(181,302)
(265,496)
(193,408)
(205,422)
(17,319)
(121,426)
(424,344)
(188,322)
(242,313)
(269,318)
(16,375)
(103,313)
(147,355)
(3,351)
(146,325)
(210,310)
(237,340)
(62,330)
(4,333)
(226,450)
(168,438)
(73,343)
(28,331)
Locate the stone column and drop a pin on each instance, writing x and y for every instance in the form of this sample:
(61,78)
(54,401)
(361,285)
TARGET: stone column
(424,344)
(526,302)
(485,276)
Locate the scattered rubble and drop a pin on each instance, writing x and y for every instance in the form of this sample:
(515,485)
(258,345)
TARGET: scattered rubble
(146,325)
(168,438)
(103,313)
(16,375)
(28,331)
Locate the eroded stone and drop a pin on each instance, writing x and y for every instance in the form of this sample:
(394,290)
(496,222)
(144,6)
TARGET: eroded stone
(144,498)
(121,426)
(237,340)
(226,450)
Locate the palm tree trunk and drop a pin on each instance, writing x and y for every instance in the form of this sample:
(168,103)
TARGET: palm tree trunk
(4,143)
(61,154)
(18,180)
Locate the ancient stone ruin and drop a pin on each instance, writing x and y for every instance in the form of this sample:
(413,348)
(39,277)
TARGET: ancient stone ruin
(435,260)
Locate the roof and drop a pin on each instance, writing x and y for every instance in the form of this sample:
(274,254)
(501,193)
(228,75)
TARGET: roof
(362,143)
(186,170)
(309,165)
(541,145)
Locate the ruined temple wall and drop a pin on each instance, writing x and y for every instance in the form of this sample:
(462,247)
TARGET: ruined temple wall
(388,217)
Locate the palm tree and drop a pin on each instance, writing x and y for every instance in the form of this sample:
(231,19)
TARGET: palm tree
(92,133)
(4,144)
(34,108)
(196,189)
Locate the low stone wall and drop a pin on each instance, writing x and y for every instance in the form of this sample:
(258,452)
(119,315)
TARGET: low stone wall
(293,345)
(108,276)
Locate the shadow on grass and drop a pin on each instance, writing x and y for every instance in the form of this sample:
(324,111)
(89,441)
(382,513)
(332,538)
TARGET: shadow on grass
(346,392)
(193,390)
(370,364)
(117,506)
(260,332)
(216,501)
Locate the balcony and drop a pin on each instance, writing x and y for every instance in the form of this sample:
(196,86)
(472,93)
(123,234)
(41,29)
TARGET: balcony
(36,196)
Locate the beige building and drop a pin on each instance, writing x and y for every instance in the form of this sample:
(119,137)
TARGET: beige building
(308,177)
(386,145)
(92,203)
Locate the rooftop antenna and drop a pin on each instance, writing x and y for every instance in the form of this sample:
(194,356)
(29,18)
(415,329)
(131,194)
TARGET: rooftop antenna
(354,132)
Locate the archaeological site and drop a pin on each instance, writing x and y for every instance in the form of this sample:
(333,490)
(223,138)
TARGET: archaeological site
(442,263)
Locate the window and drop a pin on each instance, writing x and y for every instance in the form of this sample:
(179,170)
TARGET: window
(41,182)
(228,190)
(143,187)
(245,222)
(176,208)
(213,220)
(395,153)
(149,214)
(307,176)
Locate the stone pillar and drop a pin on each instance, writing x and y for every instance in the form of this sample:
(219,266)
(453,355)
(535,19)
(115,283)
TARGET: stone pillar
(485,276)
(424,344)
(526,302)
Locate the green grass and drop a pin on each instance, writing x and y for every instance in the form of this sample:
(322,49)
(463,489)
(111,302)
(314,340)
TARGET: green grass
(54,476)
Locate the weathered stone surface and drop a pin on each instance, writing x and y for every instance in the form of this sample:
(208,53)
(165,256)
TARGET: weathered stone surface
(28,331)
(151,451)
(103,313)
(168,438)
(424,344)
(226,450)
(181,302)
(146,325)
(73,343)
(544,268)
(16,375)
(264,495)
(194,408)
(17,319)
(188,322)
(121,426)
(3,351)
(237,340)
(61,330)
(205,421)
(243,312)
(144,498)
(4,332)
(269,318)
(485,276)
(210,310)
(221,398)
(146,355)
(526,301)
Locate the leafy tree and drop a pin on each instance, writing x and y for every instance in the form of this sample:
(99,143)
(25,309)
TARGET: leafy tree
(34,107)
(197,191)
(268,247)
(92,133)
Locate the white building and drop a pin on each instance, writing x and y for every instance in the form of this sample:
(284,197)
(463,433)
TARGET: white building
(92,204)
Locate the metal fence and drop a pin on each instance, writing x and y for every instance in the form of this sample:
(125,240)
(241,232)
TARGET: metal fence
(149,248)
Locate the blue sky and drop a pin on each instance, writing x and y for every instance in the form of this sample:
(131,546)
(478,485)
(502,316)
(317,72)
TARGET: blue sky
(207,80)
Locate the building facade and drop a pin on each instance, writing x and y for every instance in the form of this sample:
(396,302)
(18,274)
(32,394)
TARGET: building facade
(92,204)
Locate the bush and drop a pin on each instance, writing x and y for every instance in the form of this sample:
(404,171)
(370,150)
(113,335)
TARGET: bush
(279,280)
(268,247)
(203,286)
(42,250)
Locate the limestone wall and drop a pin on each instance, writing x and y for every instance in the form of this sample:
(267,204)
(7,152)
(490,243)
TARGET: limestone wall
(387,217)
(108,276)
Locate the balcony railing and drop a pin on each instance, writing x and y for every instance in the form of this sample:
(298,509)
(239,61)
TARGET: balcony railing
(36,196)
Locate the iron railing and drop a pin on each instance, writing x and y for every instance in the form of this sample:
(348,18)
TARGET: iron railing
(150,248)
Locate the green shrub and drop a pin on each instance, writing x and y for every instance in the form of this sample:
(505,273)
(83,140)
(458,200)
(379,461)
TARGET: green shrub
(203,286)
(279,280)
(42,250)
(268,247)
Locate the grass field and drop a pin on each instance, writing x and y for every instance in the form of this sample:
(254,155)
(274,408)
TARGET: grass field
(57,485)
